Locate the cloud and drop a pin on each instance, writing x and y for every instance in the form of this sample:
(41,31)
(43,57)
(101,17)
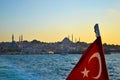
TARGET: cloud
(112,16)
(113,12)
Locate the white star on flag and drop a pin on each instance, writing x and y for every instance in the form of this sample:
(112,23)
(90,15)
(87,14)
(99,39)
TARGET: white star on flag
(85,72)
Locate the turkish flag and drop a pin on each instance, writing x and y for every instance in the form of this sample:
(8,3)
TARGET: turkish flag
(92,65)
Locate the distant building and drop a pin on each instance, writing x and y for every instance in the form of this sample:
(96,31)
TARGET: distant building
(12,37)
(66,41)
(20,38)
(79,39)
(72,37)
(14,45)
(13,41)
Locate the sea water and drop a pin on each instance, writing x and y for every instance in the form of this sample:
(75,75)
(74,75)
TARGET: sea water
(48,66)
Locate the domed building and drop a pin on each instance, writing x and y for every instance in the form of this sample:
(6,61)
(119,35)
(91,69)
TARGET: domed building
(66,41)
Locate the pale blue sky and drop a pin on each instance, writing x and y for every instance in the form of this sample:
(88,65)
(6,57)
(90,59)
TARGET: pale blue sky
(52,20)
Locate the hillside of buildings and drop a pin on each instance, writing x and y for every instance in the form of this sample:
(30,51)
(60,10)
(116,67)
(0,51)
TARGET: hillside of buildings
(66,46)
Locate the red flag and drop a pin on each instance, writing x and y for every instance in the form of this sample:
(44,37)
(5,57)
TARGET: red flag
(92,65)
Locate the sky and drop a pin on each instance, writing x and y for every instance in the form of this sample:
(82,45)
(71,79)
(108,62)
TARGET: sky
(52,20)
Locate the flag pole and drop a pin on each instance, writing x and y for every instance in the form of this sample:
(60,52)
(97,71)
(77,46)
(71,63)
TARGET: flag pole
(83,70)
(96,28)
(97,32)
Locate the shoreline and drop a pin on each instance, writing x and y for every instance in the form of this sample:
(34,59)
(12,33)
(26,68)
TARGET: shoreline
(23,53)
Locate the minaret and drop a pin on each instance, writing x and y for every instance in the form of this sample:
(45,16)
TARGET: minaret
(12,37)
(21,38)
(75,40)
(68,36)
(79,39)
(72,37)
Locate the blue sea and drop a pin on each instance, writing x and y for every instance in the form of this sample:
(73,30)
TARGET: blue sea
(48,66)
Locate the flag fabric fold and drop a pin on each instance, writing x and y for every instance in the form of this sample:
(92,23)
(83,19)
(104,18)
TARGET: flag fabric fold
(92,65)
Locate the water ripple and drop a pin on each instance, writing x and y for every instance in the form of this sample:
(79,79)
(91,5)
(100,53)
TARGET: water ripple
(47,67)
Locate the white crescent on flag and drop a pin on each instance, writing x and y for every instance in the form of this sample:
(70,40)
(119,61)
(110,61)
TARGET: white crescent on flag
(97,55)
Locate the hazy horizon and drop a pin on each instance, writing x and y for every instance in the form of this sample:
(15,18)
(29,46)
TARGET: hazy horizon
(52,20)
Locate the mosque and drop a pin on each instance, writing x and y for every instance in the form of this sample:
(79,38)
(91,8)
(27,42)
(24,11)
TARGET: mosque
(14,45)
